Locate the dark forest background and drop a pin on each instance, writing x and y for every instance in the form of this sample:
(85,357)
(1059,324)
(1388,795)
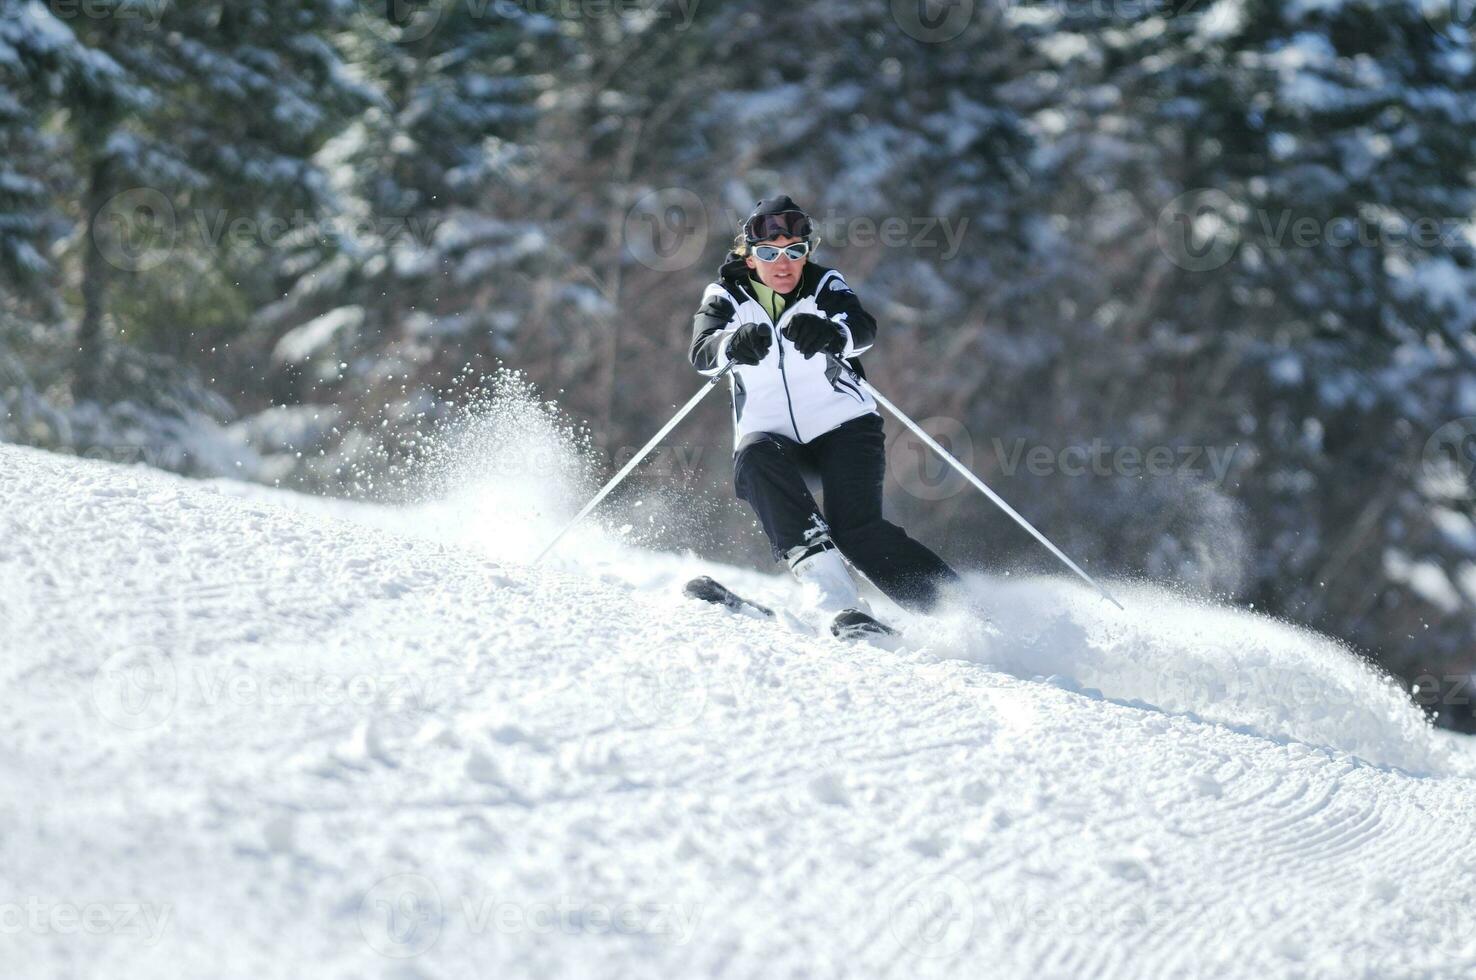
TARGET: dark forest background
(1191,283)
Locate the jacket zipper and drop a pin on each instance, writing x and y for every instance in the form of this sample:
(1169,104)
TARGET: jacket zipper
(783,376)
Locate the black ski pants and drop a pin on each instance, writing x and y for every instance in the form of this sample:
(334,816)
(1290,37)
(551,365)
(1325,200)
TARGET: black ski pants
(850,460)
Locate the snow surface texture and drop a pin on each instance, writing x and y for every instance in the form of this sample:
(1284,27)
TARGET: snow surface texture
(248,733)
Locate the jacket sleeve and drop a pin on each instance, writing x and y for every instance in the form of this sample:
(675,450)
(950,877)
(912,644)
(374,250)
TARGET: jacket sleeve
(839,303)
(712,328)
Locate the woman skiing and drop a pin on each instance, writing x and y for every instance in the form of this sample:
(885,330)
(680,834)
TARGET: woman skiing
(793,331)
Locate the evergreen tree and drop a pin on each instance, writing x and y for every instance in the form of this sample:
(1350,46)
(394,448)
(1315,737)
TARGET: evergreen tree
(212,109)
(435,234)
(42,68)
(1273,196)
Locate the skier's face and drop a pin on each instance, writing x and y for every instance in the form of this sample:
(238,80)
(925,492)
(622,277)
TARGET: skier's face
(783,273)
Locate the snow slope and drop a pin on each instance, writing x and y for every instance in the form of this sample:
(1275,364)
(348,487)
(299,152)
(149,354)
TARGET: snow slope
(252,734)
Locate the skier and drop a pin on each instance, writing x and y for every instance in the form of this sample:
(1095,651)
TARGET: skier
(793,330)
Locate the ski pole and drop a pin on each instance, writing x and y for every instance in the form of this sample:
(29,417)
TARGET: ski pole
(969,475)
(635,460)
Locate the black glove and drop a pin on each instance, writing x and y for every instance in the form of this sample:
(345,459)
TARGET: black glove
(750,343)
(811,334)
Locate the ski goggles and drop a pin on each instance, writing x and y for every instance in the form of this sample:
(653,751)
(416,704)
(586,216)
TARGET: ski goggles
(771,253)
(785,224)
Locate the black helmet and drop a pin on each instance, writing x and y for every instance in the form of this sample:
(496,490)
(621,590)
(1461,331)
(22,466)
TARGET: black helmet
(774,218)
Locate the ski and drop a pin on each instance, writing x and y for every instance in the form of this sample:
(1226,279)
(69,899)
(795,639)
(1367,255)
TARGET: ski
(709,589)
(853,624)
(849,624)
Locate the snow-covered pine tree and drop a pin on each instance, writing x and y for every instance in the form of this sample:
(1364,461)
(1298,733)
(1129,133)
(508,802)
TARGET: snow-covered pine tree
(212,111)
(30,63)
(1277,199)
(43,69)
(437,239)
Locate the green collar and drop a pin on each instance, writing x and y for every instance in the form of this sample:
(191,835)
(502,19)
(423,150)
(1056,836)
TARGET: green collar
(771,301)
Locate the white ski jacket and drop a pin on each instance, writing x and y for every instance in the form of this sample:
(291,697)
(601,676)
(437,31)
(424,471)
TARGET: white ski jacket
(785,393)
